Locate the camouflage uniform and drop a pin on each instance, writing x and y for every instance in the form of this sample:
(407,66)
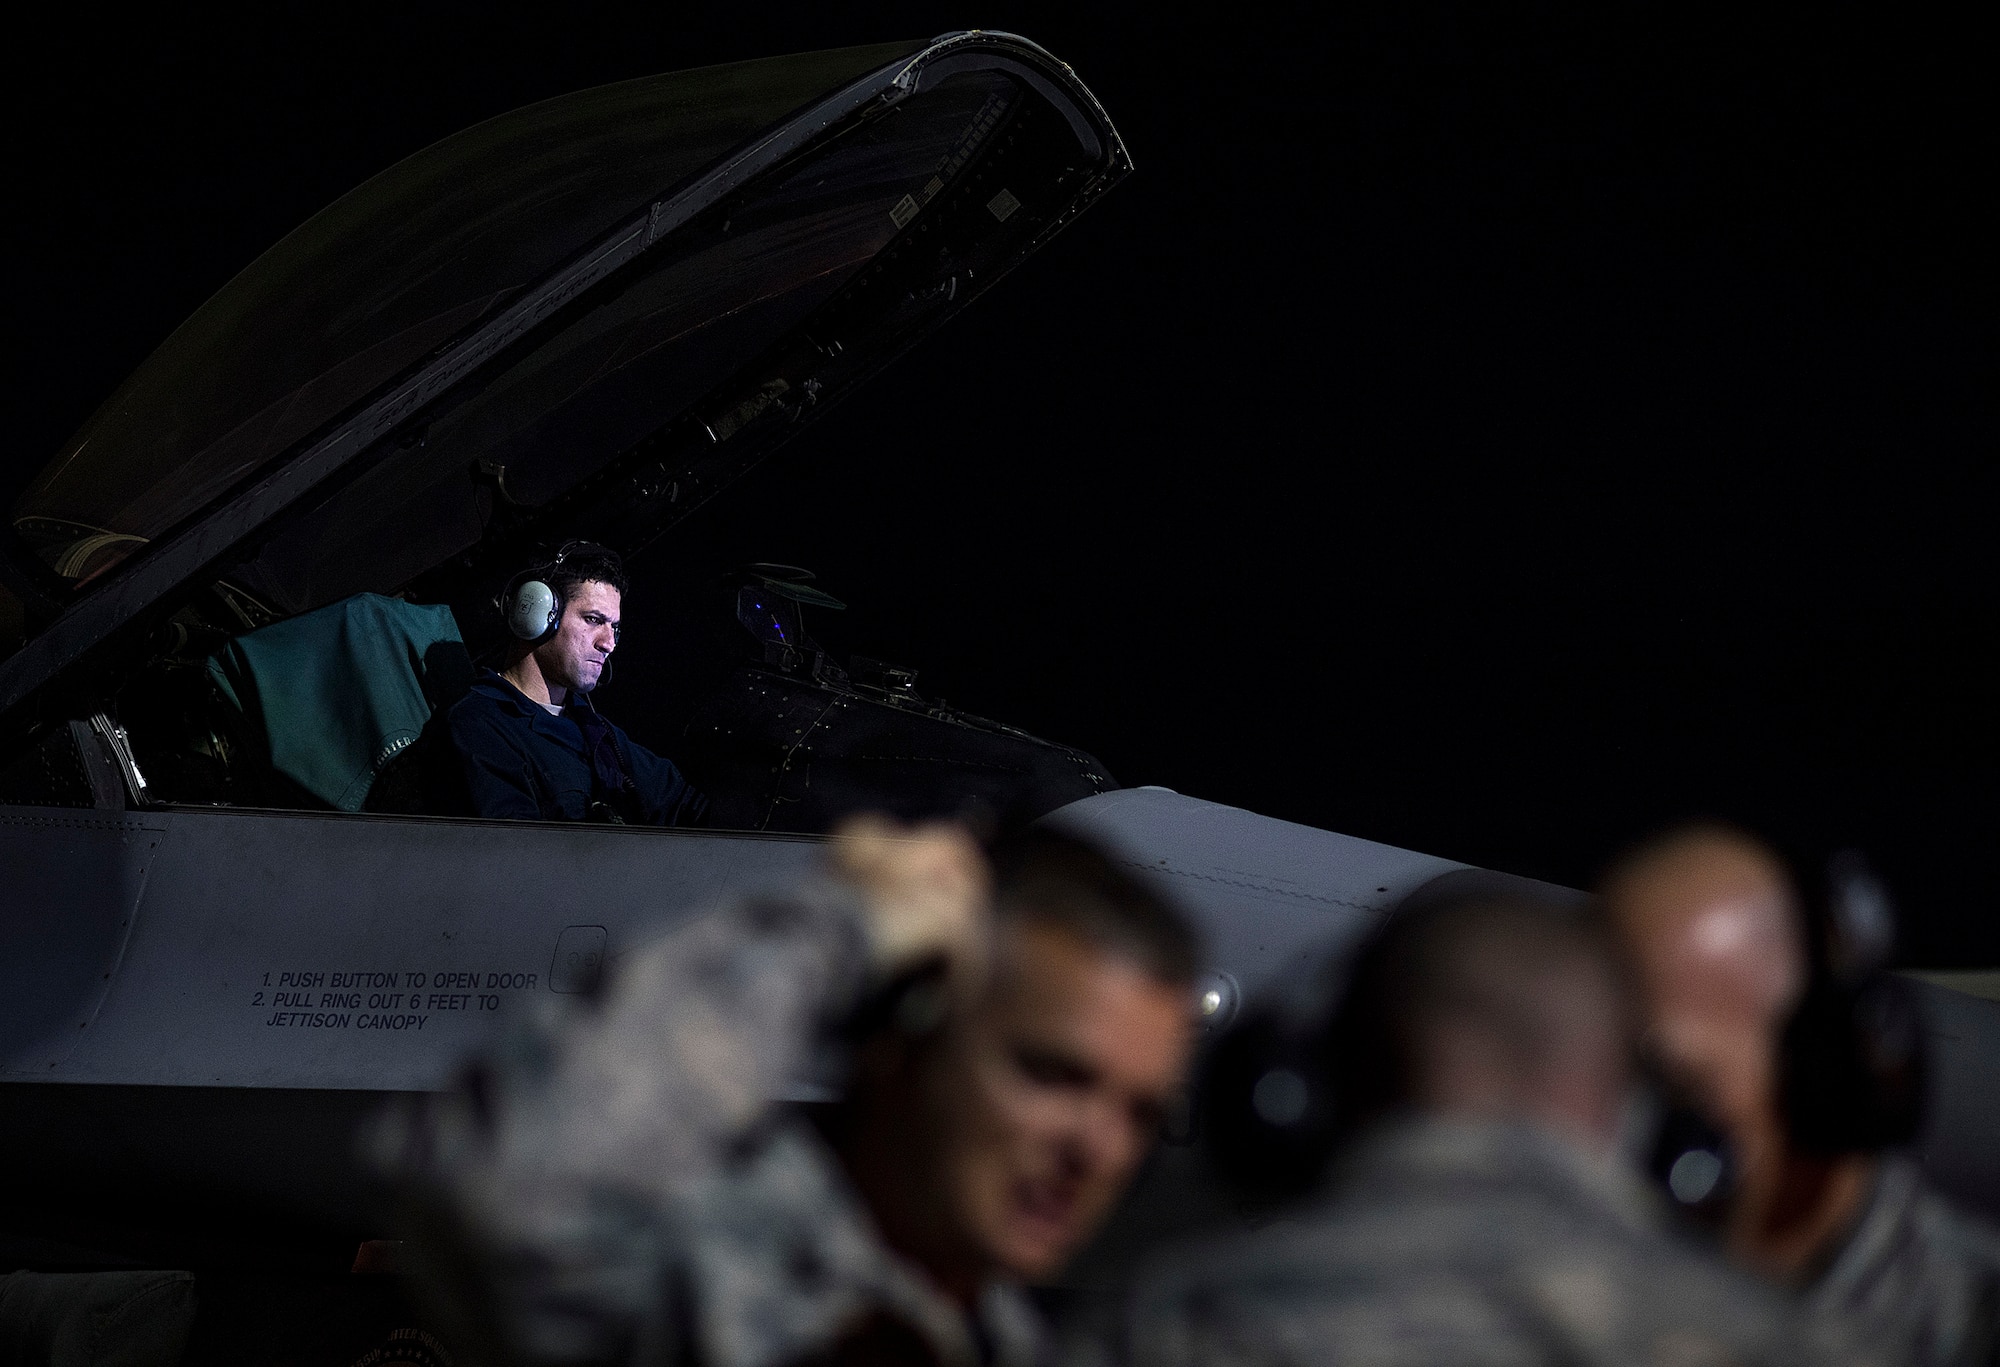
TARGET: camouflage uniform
(1457,1243)
(1922,1279)
(620,1186)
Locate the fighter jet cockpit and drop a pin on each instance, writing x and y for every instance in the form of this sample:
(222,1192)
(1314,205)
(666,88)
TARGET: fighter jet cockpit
(338,710)
(269,559)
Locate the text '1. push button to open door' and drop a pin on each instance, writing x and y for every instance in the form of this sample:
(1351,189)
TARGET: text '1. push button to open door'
(579,961)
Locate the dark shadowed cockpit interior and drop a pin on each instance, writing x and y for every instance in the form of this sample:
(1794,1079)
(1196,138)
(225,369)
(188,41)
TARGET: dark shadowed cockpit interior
(581,319)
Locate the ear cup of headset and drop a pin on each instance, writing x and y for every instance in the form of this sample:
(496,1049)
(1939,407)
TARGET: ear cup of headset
(532,610)
(1688,1156)
(1853,1067)
(1266,1106)
(1853,1061)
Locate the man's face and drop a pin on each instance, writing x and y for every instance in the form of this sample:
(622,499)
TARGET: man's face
(574,657)
(1042,1100)
(1710,929)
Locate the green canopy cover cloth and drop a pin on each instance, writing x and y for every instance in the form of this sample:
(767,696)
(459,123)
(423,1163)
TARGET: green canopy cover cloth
(340,691)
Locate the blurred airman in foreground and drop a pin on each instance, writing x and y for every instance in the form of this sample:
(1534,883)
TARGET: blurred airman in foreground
(624,1187)
(1716,929)
(1476,1213)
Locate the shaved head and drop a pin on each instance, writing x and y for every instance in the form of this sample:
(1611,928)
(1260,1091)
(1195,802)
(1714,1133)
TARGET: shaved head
(1716,903)
(1712,922)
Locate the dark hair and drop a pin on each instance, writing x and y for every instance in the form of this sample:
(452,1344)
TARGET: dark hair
(1056,879)
(584,562)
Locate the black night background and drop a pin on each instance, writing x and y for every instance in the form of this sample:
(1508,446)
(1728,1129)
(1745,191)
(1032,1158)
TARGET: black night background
(1489,433)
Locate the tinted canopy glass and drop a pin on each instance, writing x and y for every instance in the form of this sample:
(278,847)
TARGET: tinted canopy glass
(557,414)
(385,276)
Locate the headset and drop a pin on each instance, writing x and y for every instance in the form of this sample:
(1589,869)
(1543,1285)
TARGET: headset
(1852,1063)
(1266,1104)
(530,606)
(1688,1157)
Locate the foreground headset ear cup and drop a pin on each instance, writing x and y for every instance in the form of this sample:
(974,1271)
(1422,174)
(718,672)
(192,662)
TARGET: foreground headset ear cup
(1692,1161)
(1853,1060)
(532,610)
(1265,1108)
(1853,1066)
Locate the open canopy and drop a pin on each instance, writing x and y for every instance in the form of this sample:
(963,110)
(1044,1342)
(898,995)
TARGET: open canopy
(595,311)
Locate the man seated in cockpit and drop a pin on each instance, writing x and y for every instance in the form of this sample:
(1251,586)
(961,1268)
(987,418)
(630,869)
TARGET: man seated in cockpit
(531,741)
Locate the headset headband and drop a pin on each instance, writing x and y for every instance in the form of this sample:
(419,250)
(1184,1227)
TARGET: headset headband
(577,548)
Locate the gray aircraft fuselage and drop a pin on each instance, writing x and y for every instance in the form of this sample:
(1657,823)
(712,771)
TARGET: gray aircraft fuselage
(207,1000)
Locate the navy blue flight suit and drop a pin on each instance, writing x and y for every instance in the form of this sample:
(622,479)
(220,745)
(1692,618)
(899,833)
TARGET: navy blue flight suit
(525,763)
